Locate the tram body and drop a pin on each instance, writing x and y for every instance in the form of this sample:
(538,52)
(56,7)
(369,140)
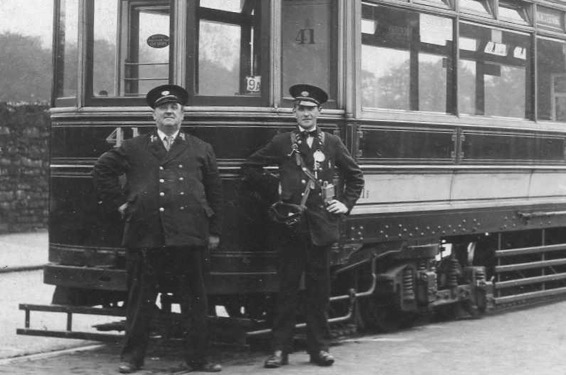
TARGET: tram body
(454,109)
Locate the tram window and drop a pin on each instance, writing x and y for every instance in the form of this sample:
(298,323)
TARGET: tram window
(147,62)
(550,19)
(228,49)
(476,6)
(551,87)
(105,77)
(513,11)
(308,52)
(493,72)
(406,60)
(130,50)
(66,63)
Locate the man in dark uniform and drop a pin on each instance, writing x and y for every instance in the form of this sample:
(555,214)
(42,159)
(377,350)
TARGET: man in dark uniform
(308,159)
(172,210)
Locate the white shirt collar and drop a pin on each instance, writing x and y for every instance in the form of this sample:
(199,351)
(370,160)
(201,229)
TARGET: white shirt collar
(163,135)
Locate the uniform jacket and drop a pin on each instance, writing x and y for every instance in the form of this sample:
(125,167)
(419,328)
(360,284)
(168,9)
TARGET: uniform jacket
(322,225)
(174,197)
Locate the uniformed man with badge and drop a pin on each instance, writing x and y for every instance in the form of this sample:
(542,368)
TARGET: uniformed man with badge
(309,213)
(171,206)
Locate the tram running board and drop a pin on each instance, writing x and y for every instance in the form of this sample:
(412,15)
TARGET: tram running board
(69,333)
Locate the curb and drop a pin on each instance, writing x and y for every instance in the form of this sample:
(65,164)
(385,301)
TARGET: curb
(9,269)
(55,353)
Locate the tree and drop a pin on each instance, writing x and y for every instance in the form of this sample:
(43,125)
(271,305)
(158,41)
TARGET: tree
(25,69)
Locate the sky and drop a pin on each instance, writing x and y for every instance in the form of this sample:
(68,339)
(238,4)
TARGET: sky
(28,17)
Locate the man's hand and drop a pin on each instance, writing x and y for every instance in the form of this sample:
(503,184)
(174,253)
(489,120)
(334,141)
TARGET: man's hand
(336,207)
(213,242)
(122,209)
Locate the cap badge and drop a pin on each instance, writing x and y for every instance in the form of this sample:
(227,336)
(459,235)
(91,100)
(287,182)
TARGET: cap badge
(165,92)
(305,93)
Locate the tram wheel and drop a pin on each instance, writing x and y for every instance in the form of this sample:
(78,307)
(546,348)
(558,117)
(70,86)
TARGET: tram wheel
(384,316)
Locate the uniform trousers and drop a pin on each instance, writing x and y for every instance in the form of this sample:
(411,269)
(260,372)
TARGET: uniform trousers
(148,271)
(297,254)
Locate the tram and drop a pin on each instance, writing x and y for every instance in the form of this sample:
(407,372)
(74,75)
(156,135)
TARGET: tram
(454,109)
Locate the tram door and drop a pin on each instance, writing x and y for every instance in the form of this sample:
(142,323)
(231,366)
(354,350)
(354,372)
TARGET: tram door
(146,61)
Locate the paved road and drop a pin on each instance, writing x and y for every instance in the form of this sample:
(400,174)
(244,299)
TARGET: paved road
(531,341)
(28,287)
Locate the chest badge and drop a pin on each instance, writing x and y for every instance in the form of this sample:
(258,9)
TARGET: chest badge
(319,156)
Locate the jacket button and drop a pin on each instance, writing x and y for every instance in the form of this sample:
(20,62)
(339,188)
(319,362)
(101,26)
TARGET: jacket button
(161,209)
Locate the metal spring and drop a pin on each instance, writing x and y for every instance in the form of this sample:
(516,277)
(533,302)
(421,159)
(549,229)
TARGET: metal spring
(480,274)
(408,284)
(454,272)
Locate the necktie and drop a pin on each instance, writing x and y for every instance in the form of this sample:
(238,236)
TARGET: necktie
(309,137)
(307,134)
(167,142)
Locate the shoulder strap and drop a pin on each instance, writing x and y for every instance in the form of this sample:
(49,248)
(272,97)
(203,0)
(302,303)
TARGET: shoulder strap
(300,162)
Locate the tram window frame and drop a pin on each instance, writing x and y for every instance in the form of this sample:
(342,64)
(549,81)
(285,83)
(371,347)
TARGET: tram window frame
(331,85)
(488,6)
(121,100)
(59,60)
(191,59)
(413,93)
(498,48)
(442,4)
(522,10)
(550,19)
(196,13)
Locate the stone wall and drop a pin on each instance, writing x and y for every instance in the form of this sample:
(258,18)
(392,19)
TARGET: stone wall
(24,165)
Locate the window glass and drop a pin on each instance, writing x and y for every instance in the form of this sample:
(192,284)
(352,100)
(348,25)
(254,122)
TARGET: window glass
(493,72)
(307,45)
(219,59)
(511,11)
(550,18)
(230,6)
(477,6)
(130,48)
(229,60)
(405,60)
(104,48)
(67,53)
(147,62)
(551,88)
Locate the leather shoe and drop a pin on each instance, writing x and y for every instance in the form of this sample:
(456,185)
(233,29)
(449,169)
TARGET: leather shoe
(277,359)
(322,358)
(127,368)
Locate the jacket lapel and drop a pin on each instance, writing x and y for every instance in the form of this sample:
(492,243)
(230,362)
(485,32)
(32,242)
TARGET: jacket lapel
(156,146)
(177,148)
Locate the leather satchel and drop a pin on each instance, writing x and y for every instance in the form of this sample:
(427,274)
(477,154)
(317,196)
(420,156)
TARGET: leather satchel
(288,214)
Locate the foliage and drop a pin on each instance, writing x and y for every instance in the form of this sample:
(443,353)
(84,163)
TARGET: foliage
(25,69)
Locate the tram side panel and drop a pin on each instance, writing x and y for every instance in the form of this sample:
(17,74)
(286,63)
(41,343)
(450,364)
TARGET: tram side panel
(87,260)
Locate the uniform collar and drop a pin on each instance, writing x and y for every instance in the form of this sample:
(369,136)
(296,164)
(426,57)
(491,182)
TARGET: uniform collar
(311,133)
(163,135)
(159,135)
